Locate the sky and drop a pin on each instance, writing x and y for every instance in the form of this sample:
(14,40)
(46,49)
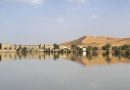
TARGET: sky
(58,21)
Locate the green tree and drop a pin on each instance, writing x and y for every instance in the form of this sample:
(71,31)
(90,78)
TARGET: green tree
(19,48)
(89,48)
(24,49)
(114,48)
(106,47)
(73,47)
(125,47)
(56,46)
(106,53)
(95,49)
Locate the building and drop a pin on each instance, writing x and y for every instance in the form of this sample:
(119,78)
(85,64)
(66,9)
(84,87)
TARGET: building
(5,46)
(84,49)
(40,47)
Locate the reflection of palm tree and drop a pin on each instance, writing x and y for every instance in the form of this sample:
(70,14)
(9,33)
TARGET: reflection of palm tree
(19,55)
(56,56)
(106,53)
(72,58)
(89,56)
(127,54)
(24,54)
(117,53)
(108,59)
(0,57)
(95,49)
(95,54)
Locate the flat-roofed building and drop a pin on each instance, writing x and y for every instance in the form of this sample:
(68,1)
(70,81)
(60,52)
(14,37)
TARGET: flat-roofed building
(5,46)
(14,47)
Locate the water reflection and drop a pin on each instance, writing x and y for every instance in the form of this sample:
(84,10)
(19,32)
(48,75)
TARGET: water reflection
(82,58)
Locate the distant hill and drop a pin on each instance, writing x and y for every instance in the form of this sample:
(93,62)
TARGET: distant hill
(98,41)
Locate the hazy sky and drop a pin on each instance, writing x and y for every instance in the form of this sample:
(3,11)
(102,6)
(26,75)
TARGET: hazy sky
(50,21)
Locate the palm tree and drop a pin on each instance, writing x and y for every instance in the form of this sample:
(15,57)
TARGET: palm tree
(106,47)
(73,47)
(95,49)
(56,46)
(114,48)
(89,48)
(125,47)
(24,49)
(19,48)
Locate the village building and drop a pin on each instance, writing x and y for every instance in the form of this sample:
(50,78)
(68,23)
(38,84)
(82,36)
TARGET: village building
(84,49)
(40,47)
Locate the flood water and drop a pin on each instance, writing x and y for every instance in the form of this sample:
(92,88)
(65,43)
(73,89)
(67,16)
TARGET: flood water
(45,71)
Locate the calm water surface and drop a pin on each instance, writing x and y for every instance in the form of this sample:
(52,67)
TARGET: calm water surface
(40,71)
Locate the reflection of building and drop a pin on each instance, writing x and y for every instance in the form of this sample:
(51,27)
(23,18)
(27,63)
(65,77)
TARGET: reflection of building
(29,56)
(84,58)
(0,58)
(8,56)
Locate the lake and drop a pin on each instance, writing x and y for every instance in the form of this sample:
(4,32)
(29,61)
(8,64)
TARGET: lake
(46,71)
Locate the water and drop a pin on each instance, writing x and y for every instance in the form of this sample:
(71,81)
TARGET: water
(40,71)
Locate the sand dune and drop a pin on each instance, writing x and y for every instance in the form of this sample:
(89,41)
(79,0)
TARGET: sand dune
(98,41)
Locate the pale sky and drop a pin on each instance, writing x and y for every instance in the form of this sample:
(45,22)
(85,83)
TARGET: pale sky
(56,21)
